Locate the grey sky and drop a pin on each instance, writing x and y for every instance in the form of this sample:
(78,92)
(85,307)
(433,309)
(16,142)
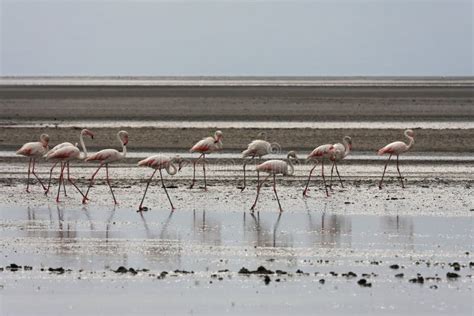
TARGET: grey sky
(353,37)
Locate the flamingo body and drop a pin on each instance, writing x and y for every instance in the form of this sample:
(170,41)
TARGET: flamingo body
(321,152)
(106,156)
(397,148)
(205,146)
(339,152)
(34,150)
(159,162)
(257,148)
(274,167)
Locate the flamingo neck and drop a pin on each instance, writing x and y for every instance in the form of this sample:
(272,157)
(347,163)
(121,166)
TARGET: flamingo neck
(124,147)
(84,149)
(411,141)
(347,148)
(173,167)
(292,167)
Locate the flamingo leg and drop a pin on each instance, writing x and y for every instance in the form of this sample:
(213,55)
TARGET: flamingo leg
(140,208)
(64,182)
(259,186)
(383,174)
(60,181)
(84,199)
(401,178)
(50,176)
(34,173)
(69,179)
(324,179)
(166,191)
(108,181)
(204,170)
(309,179)
(194,171)
(332,169)
(275,190)
(338,175)
(28,181)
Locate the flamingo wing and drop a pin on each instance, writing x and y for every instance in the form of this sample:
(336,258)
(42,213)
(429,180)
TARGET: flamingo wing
(204,145)
(31,149)
(321,151)
(156,161)
(65,152)
(393,148)
(104,155)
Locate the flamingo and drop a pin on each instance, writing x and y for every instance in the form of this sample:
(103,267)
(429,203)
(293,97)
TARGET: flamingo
(340,151)
(34,150)
(205,146)
(49,156)
(159,162)
(258,148)
(105,157)
(397,148)
(319,154)
(64,153)
(274,167)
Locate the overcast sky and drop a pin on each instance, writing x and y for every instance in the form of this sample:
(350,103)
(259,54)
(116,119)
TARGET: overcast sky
(294,37)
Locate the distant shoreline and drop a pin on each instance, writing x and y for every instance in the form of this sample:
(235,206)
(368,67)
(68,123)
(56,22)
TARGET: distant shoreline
(238,81)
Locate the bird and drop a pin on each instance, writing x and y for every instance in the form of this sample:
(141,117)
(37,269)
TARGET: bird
(274,167)
(105,157)
(34,150)
(64,153)
(49,155)
(258,148)
(397,148)
(340,151)
(320,153)
(159,162)
(205,146)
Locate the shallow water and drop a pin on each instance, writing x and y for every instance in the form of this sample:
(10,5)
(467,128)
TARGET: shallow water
(93,241)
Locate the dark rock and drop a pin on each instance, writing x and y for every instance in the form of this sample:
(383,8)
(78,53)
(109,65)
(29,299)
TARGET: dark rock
(221,271)
(59,270)
(299,271)
(399,275)
(183,272)
(281,272)
(394,266)
(333,273)
(132,271)
(471,264)
(244,271)
(13,267)
(266,280)
(364,283)
(349,275)
(434,286)
(452,275)
(263,270)
(121,269)
(322,281)
(27,268)
(455,265)
(418,279)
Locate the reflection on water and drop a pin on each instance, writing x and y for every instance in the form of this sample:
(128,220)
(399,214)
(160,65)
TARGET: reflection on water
(163,238)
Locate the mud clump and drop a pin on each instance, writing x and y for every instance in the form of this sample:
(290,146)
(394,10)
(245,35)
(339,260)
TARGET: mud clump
(183,272)
(399,275)
(419,279)
(452,275)
(395,266)
(260,270)
(13,267)
(267,280)
(59,270)
(349,275)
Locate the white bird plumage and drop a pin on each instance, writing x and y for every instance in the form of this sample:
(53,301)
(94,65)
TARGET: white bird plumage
(206,146)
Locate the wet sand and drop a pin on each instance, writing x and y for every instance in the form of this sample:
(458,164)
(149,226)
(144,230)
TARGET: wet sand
(361,250)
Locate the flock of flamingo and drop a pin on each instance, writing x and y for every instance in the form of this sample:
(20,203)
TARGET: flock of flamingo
(65,152)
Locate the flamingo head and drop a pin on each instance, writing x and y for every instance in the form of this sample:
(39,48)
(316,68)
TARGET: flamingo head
(180,161)
(44,139)
(409,133)
(292,155)
(218,136)
(87,132)
(123,135)
(262,135)
(348,140)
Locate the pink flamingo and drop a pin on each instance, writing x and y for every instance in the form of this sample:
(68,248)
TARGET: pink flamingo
(397,148)
(274,167)
(34,150)
(206,146)
(159,162)
(49,156)
(105,157)
(258,148)
(64,153)
(319,154)
(340,151)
